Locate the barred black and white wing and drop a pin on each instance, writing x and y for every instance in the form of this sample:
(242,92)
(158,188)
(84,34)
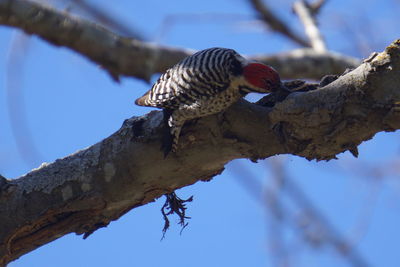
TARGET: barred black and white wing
(202,75)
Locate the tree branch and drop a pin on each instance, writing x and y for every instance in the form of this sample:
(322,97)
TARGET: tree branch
(118,55)
(105,19)
(265,13)
(124,56)
(94,186)
(307,17)
(306,63)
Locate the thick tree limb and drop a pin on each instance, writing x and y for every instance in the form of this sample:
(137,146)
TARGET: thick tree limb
(124,56)
(91,188)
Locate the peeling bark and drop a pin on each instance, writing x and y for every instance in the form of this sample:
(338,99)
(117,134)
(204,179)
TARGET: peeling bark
(89,189)
(124,56)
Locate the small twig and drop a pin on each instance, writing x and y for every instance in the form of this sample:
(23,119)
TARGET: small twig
(307,14)
(276,24)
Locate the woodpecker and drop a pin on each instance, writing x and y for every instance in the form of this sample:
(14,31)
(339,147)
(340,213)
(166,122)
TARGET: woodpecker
(206,83)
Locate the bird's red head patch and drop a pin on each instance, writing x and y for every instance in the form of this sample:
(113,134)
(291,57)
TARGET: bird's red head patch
(261,76)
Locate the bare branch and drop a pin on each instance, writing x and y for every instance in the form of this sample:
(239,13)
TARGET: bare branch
(273,200)
(314,226)
(118,55)
(91,188)
(107,20)
(15,101)
(265,13)
(124,56)
(318,229)
(307,63)
(316,6)
(307,17)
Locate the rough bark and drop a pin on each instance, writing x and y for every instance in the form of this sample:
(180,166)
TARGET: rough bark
(89,189)
(124,56)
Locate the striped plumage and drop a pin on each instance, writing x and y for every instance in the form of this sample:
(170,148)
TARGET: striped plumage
(206,83)
(205,73)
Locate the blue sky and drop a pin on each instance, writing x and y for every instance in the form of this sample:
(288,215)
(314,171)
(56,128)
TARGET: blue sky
(70,103)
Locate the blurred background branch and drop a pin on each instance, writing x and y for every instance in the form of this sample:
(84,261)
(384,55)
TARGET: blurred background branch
(274,23)
(28,151)
(101,16)
(307,14)
(122,56)
(299,215)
